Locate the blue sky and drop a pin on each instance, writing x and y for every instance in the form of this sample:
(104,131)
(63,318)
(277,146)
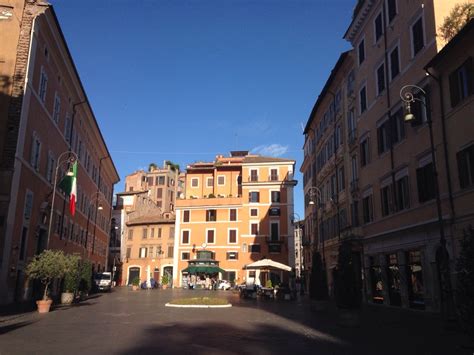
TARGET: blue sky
(186,80)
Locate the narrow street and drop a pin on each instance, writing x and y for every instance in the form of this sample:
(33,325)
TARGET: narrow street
(127,322)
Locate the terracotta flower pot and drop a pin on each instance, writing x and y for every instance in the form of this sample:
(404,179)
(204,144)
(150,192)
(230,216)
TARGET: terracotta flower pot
(44,305)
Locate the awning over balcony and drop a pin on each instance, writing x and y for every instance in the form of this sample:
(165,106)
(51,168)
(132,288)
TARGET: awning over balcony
(206,269)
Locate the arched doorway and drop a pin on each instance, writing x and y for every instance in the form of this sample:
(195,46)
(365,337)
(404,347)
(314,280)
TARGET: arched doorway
(169,271)
(132,273)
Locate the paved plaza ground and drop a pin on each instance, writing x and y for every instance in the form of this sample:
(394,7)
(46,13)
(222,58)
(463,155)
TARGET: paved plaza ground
(127,322)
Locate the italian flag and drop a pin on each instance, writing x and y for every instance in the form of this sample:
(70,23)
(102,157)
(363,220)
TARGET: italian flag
(69,186)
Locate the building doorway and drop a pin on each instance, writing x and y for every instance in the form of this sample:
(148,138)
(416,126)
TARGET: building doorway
(133,272)
(168,270)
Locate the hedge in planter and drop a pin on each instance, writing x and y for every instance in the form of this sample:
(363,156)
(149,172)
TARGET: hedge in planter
(72,277)
(85,272)
(318,285)
(346,288)
(465,280)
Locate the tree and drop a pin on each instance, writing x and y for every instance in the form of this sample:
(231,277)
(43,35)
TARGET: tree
(47,266)
(347,290)
(318,286)
(465,279)
(457,18)
(152,166)
(173,166)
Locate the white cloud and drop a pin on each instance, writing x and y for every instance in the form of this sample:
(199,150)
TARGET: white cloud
(272,150)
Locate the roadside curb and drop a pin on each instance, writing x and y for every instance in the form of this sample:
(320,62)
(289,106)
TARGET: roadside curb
(197,306)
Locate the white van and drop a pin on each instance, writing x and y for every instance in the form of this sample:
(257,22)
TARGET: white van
(103,281)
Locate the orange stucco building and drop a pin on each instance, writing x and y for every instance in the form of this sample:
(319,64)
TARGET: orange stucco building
(240,208)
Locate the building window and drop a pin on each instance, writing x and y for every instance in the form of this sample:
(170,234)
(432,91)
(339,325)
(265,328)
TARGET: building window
(354,168)
(350,83)
(144,233)
(232,255)
(394,63)
(143,252)
(210,182)
(186,216)
(355,213)
(275,196)
(386,199)
(160,231)
(417,36)
(56,108)
(367,209)
(361,51)
(152,233)
(185,237)
(426,182)
(170,251)
(461,82)
(364,152)
(465,160)
(274,231)
(150,180)
(380,78)
(210,236)
(383,137)
(254,248)
(159,192)
(185,255)
(130,234)
(363,100)
(253,175)
(254,212)
(211,215)
(233,215)
(391,9)
(171,235)
(274,175)
(254,196)
(232,236)
(254,228)
(341,179)
(378,27)
(129,252)
(43,85)
(35,152)
(160,180)
(50,167)
(402,193)
(415,280)
(195,182)
(221,180)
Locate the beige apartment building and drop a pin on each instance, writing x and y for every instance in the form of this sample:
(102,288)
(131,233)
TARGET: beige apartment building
(328,170)
(163,184)
(393,41)
(45,118)
(239,209)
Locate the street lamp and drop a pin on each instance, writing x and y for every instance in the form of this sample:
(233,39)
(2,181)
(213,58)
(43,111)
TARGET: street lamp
(71,158)
(93,200)
(295,221)
(442,255)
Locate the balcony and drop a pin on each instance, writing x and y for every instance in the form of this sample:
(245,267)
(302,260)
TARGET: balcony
(273,178)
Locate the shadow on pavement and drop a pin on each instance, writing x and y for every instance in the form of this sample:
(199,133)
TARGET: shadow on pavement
(223,338)
(10,327)
(17,308)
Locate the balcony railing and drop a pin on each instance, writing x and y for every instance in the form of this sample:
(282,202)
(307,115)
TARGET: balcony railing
(253,178)
(273,178)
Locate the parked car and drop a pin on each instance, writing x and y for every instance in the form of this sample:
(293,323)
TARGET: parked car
(224,285)
(103,281)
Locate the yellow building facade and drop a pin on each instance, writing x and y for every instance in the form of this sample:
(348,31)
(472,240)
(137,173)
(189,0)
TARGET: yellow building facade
(240,208)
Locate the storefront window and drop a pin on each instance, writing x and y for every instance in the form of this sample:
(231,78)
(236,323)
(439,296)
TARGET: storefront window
(393,273)
(376,279)
(416,287)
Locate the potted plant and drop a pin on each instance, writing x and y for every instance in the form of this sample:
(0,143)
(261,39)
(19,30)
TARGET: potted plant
(347,291)
(71,279)
(47,266)
(164,281)
(318,286)
(135,283)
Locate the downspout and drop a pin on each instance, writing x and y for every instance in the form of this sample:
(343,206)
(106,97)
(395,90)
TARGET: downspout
(389,104)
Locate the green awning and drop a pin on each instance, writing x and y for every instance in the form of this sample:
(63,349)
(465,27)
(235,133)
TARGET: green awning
(204,269)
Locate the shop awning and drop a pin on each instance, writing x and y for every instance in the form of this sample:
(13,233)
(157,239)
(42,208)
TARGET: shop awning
(193,269)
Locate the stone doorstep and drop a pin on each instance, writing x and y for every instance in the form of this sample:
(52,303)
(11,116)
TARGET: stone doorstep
(197,306)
